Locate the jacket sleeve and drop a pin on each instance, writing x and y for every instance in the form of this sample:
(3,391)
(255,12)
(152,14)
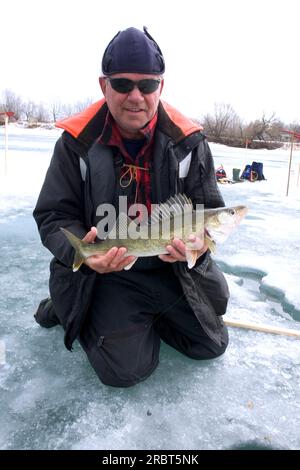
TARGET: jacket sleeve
(61,203)
(212,195)
(201,184)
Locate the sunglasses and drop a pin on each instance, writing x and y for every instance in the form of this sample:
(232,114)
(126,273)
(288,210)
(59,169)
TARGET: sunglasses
(124,85)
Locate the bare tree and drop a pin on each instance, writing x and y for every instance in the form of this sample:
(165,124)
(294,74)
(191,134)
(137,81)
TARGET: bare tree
(265,132)
(67,110)
(258,129)
(235,132)
(82,105)
(29,110)
(275,130)
(217,124)
(12,102)
(41,113)
(294,126)
(56,110)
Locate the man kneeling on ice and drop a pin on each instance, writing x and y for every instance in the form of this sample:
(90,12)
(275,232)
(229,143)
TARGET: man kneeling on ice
(130,143)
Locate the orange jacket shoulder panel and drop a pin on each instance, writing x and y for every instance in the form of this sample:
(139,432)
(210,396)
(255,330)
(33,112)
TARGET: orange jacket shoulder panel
(75,124)
(186,125)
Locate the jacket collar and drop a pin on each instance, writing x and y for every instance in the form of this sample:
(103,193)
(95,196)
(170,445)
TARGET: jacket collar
(174,124)
(88,125)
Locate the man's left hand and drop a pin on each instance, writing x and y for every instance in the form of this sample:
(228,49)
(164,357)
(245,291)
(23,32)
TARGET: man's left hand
(177,250)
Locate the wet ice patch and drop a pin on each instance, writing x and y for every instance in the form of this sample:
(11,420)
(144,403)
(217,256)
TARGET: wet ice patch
(274,283)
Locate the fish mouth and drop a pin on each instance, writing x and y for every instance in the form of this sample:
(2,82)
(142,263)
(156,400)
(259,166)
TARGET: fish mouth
(242,211)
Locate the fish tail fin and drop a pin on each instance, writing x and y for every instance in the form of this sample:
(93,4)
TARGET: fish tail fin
(76,244)
(78,260)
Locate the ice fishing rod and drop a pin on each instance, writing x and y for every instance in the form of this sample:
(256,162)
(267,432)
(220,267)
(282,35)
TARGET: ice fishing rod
(263,328)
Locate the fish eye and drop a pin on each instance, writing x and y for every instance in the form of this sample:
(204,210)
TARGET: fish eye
(231,212)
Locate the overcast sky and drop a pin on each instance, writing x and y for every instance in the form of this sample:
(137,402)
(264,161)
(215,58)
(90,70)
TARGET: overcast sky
(241,52)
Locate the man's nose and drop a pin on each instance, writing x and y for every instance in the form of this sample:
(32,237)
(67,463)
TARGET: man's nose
(136,94)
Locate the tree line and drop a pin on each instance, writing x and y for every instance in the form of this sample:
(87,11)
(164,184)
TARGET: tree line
(34,113)
(223,125)
(226,127)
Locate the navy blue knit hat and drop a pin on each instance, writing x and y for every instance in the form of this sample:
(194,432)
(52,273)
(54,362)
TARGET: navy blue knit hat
(133,51)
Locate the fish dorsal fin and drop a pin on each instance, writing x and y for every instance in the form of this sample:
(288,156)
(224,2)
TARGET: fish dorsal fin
(175,205)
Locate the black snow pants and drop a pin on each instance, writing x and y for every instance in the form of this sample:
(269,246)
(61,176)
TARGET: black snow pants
(130,313)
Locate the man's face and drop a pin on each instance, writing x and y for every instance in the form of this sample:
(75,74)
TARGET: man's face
(132,110)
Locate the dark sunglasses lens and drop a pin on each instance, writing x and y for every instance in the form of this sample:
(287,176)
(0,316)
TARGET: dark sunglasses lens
(148,85)
(122,85)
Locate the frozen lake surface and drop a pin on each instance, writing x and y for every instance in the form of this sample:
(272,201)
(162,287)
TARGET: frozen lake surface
(51,398)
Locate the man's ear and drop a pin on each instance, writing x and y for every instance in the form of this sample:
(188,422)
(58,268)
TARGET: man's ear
(103,85)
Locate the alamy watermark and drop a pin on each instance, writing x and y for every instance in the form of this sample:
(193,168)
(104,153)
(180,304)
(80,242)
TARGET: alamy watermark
(164,221)
(2,353)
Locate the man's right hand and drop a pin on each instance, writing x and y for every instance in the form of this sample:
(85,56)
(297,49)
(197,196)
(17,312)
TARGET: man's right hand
(113,260)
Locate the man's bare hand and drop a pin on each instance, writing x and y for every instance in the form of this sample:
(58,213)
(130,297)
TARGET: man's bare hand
(177,250)
(113,260)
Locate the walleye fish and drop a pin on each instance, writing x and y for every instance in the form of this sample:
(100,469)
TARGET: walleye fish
(175,218)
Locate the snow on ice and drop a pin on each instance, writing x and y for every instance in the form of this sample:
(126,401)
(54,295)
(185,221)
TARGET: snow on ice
(249,397)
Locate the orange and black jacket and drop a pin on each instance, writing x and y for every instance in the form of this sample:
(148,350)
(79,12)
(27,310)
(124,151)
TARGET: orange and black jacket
(69,200)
